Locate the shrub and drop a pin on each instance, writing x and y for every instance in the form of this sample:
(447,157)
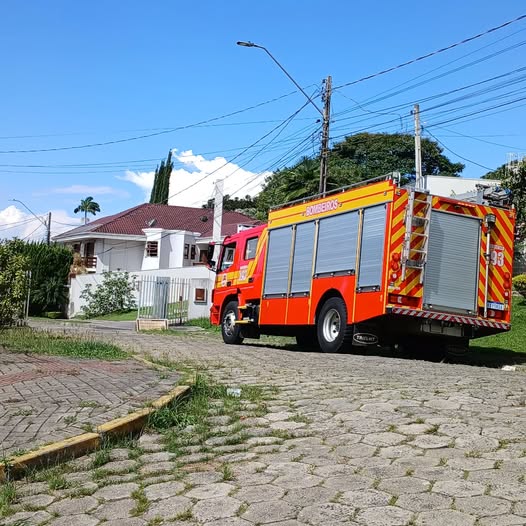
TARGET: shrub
(519,284)
(114,294)
(53,315)
(14,268)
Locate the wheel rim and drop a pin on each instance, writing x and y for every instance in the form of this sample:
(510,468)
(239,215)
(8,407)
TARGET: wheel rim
(229,323)
(331,325)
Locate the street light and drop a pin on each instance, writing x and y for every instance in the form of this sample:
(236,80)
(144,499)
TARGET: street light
(47,223)
(325,114)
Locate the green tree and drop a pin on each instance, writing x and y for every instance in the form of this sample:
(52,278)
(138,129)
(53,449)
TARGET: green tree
(245,205)
(87,205)
(358,157)
(161,181)
(514,179)
(14,267)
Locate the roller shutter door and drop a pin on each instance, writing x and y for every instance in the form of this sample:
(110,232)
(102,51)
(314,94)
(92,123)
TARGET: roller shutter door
(451,272)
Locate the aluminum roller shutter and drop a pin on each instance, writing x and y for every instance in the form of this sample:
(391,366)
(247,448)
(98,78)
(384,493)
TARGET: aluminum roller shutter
(337,241)
(278,259)
(302,262)
(372,248)
(451,271)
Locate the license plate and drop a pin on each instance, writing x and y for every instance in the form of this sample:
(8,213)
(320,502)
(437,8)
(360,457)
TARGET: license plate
(495,306)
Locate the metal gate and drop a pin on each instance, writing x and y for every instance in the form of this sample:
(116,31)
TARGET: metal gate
(452,268)
(163,298)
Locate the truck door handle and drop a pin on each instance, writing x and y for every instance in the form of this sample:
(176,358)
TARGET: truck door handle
(250,280)
(228,283)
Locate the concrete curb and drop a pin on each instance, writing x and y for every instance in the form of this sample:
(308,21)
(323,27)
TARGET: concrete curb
(15,467)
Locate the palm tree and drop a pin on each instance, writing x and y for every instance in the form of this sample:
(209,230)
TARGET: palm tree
(87,205)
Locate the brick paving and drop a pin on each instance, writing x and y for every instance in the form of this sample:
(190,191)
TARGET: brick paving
(47,398)
(341,439)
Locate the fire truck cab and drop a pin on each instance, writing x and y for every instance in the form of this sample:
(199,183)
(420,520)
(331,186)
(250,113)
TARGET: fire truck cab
(371,264)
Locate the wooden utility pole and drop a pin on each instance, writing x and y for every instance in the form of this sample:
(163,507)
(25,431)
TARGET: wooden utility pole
(420,183)
(324,157)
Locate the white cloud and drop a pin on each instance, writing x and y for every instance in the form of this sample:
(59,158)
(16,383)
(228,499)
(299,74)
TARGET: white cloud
(144,180)
(18,223)
(86,190)
(193,184)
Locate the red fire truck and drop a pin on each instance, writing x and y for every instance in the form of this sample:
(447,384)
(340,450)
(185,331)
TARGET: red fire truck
(371,264)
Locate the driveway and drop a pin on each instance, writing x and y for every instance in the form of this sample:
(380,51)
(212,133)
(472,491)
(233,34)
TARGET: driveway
(343,439)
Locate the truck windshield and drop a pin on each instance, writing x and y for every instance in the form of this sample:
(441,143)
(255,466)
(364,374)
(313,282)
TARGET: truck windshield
(228,257)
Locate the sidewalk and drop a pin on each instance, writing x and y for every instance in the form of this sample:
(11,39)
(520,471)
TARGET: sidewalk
(44,399)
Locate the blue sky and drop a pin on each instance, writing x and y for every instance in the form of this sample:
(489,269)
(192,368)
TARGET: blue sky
(75,74)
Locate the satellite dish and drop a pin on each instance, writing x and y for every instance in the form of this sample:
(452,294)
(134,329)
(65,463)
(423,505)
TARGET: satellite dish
(151,222)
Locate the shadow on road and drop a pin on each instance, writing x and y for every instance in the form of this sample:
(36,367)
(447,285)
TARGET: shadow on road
(477,356)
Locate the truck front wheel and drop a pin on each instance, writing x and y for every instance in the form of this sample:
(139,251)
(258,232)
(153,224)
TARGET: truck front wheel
(229,330)
(332,325)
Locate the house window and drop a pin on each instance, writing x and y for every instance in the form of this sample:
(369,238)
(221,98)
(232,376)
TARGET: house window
(200,295)
(76,248)
(152,249)
(186,250)
(192,252)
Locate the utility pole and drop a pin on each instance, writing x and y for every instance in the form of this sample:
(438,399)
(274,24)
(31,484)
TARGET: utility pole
(218,217)
(324,156)
(420,183)
(48,229)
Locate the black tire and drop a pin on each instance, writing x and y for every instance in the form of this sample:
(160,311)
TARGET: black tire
(331,325)
(307,338)
(229,330)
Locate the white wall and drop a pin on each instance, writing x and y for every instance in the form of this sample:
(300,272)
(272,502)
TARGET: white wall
(115,255)
(199,276)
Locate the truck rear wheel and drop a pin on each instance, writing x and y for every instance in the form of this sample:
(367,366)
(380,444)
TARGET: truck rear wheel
(229,330)
(331,325)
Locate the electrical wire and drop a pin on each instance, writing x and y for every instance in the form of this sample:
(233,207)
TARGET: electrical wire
(433,53)
(455,153)
(145,136)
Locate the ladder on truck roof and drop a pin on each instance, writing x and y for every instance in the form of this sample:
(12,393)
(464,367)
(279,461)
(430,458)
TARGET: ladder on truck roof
(417,221)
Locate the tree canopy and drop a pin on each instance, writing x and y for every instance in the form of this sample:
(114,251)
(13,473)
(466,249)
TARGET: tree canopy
(161,181)
(514,178)
(358,157)
(87,205)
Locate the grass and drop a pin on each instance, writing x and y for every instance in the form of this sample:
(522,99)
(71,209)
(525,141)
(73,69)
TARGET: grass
(204,323)
(506,347)
(39,342)
(7,497)
(128,315)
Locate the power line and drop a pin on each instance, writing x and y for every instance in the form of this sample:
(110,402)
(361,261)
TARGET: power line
(163,132)
(283,123)
(433,53)
(455,153)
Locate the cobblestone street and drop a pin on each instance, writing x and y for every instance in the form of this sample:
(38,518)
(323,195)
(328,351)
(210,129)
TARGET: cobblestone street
(337,439)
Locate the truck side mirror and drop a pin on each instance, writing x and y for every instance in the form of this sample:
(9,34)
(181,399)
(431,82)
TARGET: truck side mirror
(209,255)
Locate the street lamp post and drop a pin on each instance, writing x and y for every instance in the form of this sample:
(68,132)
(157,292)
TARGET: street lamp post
(47,223)
(324,166)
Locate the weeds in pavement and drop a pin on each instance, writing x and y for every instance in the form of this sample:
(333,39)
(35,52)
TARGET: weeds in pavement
(7,497)
(101,457)
(227,472)
(141,502)
(40,342)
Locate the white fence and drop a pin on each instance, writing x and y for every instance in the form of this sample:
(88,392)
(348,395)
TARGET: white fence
(200,283)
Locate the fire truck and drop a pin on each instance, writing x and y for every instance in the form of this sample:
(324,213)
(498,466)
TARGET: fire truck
(376,263)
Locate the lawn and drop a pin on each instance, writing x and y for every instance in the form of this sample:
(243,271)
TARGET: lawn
(130,315)
(39,342)
(507,346)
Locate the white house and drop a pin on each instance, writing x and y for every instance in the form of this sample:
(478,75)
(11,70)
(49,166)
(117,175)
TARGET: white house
(150,240)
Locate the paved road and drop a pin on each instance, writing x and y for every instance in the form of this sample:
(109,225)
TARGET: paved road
(342,439)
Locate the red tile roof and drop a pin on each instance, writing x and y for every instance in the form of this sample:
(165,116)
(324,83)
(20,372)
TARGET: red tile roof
(134,220)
